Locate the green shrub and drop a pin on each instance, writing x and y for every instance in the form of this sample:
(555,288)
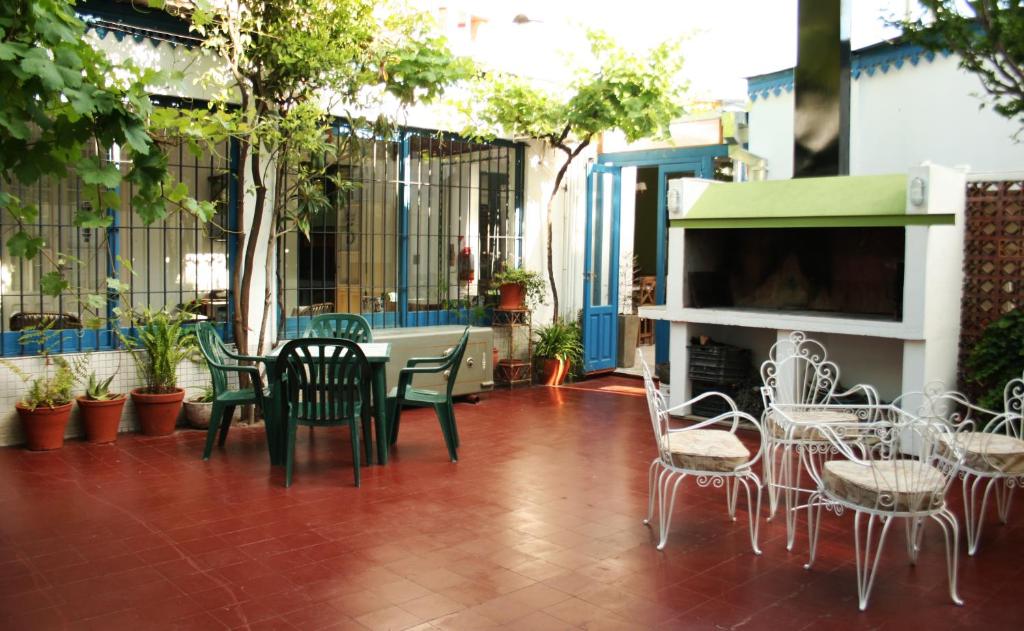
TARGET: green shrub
(997,358)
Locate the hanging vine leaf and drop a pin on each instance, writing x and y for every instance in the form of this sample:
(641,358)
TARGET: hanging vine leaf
(53,284)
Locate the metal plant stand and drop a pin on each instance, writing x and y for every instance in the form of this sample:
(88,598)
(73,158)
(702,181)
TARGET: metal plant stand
(510,370)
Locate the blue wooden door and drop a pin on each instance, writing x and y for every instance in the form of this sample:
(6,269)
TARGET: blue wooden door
(601,268)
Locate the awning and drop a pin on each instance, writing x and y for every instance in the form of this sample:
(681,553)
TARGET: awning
(822,202)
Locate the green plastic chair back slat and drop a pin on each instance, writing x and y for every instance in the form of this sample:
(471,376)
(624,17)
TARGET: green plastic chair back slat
(346,326)
(326,382)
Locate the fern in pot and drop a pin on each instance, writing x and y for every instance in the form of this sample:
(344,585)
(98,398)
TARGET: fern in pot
(161,343)
(45,409)
(558,346)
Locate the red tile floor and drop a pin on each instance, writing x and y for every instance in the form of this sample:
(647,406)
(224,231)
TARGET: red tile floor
(536,527)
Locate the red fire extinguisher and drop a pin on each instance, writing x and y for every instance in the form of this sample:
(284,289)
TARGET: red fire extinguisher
(466,273)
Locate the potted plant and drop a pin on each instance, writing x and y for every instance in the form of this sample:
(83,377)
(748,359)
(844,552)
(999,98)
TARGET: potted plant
(558,345)
(101,409)
(46,408)
(164,342)
(520,289)
(198,408)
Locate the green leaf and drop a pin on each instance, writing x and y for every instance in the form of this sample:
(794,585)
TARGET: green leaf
(92,219)
(10,50)
(117,286)
(24,214)
(177,193)
(94,171)
(96,302)
(53,284)
(37,62)
(24,245)
(135,135)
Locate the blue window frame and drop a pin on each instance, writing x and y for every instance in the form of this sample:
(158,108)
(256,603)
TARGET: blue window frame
(415,241)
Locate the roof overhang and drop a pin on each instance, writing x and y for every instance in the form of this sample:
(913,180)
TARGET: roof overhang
(822,202)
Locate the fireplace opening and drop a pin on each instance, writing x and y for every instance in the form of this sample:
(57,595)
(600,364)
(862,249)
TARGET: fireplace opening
(844,272)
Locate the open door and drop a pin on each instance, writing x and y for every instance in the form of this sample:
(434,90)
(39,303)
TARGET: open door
(601,268)
(667,173)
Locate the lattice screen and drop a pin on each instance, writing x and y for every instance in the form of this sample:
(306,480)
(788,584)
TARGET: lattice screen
(993,258)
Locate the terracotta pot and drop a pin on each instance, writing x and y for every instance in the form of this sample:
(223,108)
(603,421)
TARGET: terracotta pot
(512,296)
(566,369)
(44,426)
(158,413)
(554,371)
(198,414)
(101,418)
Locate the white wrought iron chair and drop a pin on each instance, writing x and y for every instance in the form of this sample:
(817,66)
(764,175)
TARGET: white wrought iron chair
(895,466)
(798,372)
(994,459)
(714,457)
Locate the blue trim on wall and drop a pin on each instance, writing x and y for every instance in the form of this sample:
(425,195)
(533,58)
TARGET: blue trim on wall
(233,223)
(884,56)
(113,263)
(772,84)
(74,341)
(403,231)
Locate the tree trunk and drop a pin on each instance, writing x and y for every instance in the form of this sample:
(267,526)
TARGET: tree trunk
(570,156)
(252,242)
(240,319)
(268,262)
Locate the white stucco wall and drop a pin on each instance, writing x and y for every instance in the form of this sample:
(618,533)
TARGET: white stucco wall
(568,226)
(898,119)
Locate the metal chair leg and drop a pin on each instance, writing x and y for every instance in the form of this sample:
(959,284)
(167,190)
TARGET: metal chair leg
(951,534)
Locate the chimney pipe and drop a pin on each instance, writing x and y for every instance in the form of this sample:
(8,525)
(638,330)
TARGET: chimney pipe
(821,85)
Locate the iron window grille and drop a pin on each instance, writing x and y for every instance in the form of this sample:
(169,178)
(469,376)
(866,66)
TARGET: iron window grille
(177,263)
(414,241)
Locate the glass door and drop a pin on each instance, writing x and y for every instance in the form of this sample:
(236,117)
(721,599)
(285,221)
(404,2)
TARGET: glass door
(601,268)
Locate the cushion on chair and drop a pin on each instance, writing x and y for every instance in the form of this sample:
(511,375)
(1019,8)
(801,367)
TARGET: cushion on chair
(779,426)
(901,485)
(988,453)
(707,450)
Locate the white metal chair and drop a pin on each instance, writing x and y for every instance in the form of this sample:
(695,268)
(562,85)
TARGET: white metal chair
(714,457)
(798,372)
(994,459)
(895,466)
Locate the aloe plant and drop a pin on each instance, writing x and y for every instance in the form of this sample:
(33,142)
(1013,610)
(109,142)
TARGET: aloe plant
(97,389)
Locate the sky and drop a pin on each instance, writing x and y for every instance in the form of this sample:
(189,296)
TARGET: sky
(726,40)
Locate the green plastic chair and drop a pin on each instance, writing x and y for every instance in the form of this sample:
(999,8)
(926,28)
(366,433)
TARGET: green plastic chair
(326,383)
(345,326)
(404,394)
(221,362)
